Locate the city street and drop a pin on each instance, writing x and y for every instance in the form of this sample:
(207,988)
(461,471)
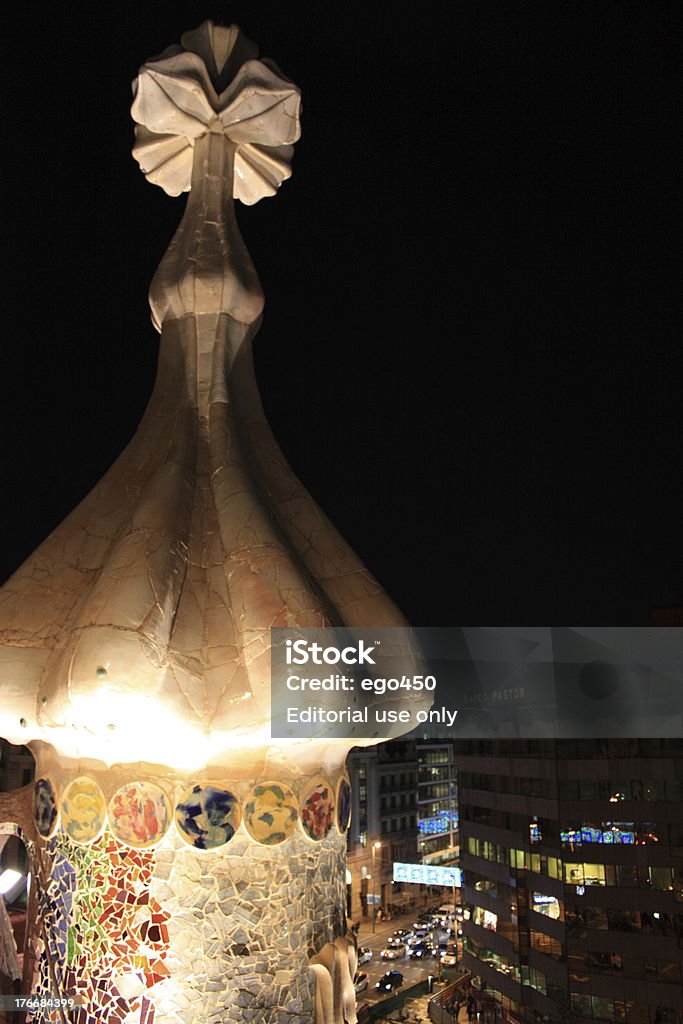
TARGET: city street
(413,971)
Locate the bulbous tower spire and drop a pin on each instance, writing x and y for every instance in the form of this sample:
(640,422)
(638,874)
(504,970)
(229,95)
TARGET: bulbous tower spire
(182,857)
(154,599)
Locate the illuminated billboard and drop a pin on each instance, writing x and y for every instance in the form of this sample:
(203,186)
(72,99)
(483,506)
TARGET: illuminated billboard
(442,822)
(426,874)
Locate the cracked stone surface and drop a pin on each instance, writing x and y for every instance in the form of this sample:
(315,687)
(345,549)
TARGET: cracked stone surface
(135,642)
(153,600)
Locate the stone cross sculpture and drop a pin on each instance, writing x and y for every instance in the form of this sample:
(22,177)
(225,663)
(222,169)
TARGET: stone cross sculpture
(187,868)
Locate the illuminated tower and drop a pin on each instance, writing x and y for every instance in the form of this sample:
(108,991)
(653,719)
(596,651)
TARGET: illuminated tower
(186,867)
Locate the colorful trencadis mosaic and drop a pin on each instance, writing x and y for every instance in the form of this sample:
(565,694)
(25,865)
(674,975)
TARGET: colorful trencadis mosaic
(105,933)
(106,936)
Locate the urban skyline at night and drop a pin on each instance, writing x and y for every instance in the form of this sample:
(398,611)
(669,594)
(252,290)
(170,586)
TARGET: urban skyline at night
(244,545)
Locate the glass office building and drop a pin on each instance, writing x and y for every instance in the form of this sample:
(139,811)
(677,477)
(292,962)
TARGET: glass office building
(572,853)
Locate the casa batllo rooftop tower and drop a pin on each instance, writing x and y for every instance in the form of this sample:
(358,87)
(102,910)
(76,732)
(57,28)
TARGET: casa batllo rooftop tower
(185,867)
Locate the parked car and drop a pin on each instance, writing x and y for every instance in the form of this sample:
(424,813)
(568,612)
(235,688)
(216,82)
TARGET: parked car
(449,959)
(393,952)
(364,955)
(360,982)
(389,981)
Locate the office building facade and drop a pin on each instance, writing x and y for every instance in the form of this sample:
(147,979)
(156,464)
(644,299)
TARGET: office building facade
(383,822)
(572,853)
(437,806)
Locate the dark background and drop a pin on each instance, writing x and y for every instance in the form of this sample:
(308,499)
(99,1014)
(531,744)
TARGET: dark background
(469,354)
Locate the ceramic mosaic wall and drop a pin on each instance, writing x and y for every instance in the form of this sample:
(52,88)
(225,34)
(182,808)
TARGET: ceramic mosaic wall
(107,938)
(209,925)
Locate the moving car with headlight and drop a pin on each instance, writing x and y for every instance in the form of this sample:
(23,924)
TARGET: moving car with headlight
(390,981)
(393,952)
(419,952)
(425,920)
(395,941)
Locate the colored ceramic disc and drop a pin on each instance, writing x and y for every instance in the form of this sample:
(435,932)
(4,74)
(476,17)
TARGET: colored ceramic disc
(45,811)
(84,810)
(317,809)
(270,813)
(343,804)
(207,816)
(139,814)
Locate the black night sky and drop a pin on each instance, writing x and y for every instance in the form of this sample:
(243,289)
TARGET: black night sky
(469,354)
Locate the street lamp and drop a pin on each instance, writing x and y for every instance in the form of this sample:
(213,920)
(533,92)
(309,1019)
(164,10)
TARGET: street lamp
(375,847)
